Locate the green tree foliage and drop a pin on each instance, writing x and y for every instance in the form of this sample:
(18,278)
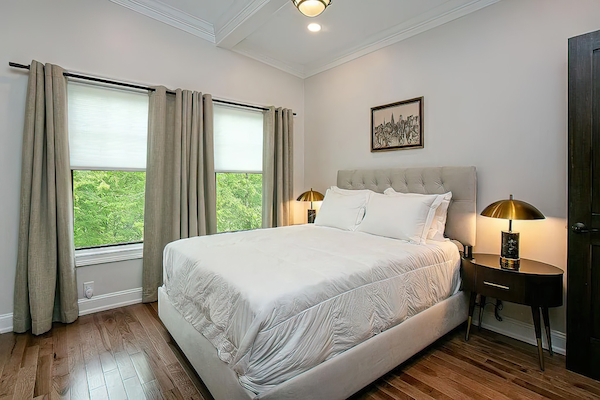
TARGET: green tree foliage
(239,201)
(108,207)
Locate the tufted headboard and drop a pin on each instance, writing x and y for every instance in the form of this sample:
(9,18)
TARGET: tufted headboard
(461,181)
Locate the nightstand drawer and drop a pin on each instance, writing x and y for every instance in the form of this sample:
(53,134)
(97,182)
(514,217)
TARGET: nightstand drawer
(501,284)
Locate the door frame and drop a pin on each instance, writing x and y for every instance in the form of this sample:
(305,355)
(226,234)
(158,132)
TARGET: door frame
(579,249)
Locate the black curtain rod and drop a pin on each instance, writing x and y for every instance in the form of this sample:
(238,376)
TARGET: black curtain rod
(129,85)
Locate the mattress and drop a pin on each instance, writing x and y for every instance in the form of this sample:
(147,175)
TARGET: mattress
(277,302)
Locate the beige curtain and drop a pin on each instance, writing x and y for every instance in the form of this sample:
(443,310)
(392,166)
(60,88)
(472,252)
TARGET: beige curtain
(278,167)
(45,283)
(180,177)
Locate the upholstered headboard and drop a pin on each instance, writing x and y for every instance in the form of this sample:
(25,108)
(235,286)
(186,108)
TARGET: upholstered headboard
(461,181)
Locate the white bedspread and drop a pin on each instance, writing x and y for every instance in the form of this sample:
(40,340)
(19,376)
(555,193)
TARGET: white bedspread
(277,302)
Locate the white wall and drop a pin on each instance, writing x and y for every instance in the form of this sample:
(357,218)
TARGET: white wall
(495,88)
(102,38)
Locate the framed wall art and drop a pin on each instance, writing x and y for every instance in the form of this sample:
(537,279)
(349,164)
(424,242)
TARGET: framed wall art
(397,126)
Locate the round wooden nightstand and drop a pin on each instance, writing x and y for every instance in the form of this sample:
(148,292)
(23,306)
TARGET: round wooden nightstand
(535,284)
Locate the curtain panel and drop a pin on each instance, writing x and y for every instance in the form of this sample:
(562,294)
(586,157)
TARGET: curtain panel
(180,177)
(278,168)
(45,282)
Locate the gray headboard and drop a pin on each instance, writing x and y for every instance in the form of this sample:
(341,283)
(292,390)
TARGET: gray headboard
(461,181)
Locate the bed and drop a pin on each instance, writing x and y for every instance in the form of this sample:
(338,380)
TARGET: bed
(263,343)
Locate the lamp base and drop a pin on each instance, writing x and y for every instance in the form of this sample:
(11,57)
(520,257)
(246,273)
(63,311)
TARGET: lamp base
(510,263)
(312,214)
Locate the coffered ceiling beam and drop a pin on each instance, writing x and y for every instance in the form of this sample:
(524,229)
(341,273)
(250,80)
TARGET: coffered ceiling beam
(235,25)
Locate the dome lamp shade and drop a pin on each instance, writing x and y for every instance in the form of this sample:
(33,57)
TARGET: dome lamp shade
(511,209)
(311,8)
(311,196)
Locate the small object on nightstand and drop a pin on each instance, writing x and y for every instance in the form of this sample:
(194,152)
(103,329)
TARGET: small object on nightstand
(511,209)
(311,196)
(535,284)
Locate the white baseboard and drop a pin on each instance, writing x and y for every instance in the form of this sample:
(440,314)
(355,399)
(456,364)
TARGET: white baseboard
(109,301)
(6,323)
(520,330)
(96,304)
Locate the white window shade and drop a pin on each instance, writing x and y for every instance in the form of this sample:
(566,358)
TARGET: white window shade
(108,128)
(238,139)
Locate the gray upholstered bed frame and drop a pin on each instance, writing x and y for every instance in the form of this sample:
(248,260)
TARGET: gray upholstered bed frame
(461,181)
(345,374)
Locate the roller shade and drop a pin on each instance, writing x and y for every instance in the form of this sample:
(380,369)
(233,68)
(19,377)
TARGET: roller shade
(108,128)
(238,139)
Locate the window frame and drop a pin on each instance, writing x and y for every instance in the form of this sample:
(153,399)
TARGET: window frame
(231,171)
(108,253)
(105,253)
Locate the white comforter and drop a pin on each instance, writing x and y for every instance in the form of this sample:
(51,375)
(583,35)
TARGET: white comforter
(277,302)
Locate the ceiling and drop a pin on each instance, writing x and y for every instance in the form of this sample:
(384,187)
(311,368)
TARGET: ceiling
(274,32)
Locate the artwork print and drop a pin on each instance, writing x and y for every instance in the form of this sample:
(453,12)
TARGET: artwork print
(397,126)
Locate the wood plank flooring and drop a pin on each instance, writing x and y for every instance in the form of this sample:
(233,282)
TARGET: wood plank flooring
(127,353)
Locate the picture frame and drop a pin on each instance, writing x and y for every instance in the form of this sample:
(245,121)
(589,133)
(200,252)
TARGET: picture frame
(397,126)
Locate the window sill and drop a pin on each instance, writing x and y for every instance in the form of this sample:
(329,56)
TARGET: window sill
(105,255)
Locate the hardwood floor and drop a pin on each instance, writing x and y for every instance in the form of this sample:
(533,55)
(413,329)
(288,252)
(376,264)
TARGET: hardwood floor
(127,354)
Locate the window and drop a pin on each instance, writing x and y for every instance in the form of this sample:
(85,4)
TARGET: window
(108,130)
(238,168)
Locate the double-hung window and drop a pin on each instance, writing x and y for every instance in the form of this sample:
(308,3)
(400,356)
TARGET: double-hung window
(108,130)
(238,140)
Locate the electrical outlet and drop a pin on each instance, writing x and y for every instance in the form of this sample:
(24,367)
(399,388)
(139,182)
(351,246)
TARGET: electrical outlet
(88,289)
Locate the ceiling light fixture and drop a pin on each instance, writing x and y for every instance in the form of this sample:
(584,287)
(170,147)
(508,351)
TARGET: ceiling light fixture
(314,27)
(311,8)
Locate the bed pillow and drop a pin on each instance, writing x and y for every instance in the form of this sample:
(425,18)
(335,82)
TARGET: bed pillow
(343,211)
(438,226)
(404,217)
(352,191)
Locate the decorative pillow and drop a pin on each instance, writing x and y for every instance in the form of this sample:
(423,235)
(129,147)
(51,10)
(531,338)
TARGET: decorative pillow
(343,211)
(405,217)
(436,232)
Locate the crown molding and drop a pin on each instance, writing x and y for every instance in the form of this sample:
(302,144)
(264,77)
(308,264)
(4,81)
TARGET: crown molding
(296,70)
(233,18)
(401,32)
(171,16)
(239,22)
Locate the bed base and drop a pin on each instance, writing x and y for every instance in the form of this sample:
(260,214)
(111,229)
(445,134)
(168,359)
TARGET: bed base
(337,378)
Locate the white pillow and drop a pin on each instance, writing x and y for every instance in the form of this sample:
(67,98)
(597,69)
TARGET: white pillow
(352,191)
(438,226)
(341,210)
(405,217)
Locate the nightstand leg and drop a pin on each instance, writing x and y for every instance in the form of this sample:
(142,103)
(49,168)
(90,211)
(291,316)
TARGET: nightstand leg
(538,334)
(481,308)
(471,310)
(547,326)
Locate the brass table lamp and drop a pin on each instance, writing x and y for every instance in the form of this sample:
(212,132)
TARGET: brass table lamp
(311,196)
(511,209)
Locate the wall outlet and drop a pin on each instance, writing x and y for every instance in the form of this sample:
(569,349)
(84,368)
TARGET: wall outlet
(88,289)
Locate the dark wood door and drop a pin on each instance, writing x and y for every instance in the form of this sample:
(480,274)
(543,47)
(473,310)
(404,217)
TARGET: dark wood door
(583,274)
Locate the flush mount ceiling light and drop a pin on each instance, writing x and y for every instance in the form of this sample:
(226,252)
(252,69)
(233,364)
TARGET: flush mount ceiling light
(311,8)
(314,27)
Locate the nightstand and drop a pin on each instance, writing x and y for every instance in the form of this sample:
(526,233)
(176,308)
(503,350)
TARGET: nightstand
(535,284)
